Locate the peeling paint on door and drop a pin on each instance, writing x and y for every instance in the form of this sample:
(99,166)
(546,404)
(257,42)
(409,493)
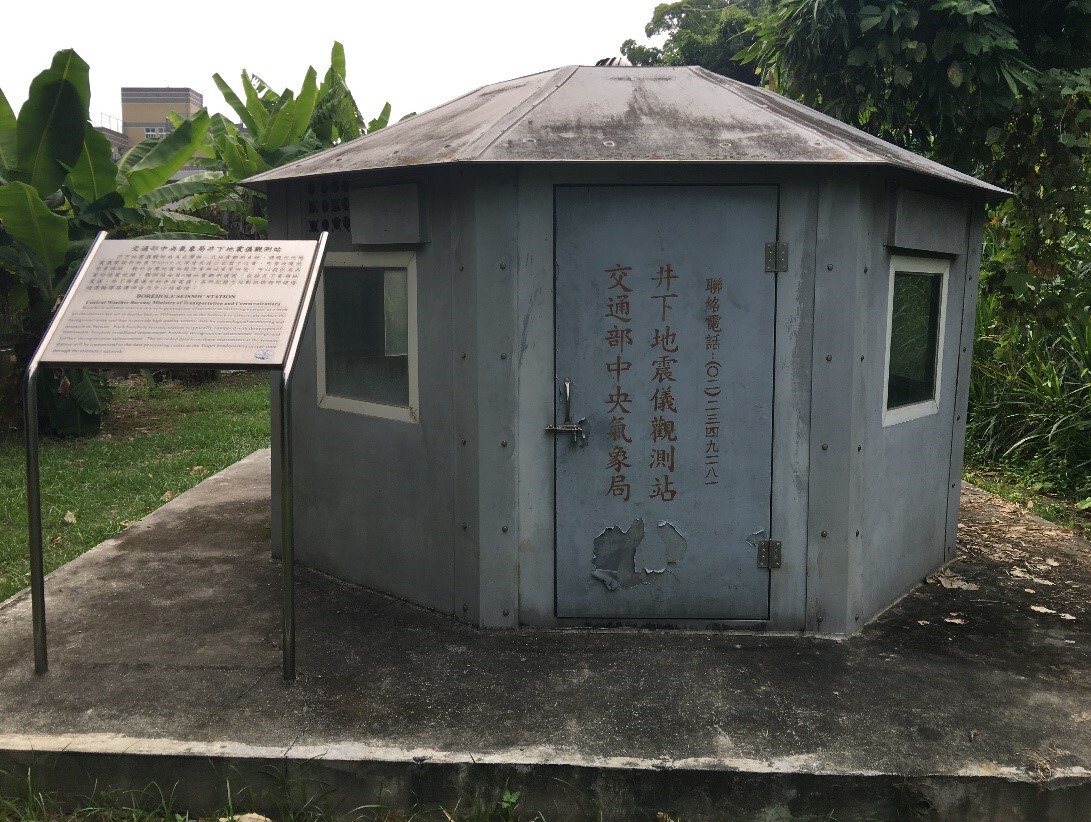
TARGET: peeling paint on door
(674,544)
(615,556)
(619,561)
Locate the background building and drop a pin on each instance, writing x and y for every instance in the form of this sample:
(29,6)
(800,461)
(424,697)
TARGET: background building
(145,111)
(119,143)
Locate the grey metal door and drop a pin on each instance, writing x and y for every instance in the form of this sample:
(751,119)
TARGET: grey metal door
(664,343)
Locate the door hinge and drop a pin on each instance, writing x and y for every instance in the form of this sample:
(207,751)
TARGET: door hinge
(776,257)
(769,553)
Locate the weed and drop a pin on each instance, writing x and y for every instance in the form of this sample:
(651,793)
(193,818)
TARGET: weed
(1029,417)
(30,804)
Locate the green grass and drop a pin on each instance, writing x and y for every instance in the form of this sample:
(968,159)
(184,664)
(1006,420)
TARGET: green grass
(22,800)
(156,442)
(1033,490)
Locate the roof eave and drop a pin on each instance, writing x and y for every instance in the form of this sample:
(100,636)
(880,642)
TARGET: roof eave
(989,192)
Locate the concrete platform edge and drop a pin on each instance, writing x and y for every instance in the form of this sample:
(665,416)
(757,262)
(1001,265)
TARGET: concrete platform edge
(268,781)
(354,752)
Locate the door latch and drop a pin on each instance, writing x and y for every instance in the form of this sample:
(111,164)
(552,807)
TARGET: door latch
(576,429)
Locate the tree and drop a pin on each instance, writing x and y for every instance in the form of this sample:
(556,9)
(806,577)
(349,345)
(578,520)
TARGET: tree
(997,88)
(59,186)
(704,33)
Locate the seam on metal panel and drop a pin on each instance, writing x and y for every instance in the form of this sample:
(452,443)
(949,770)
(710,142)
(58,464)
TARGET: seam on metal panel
(519,112)
(821,185)
(961,373)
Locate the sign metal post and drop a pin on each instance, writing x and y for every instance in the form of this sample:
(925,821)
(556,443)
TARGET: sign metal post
(270,287)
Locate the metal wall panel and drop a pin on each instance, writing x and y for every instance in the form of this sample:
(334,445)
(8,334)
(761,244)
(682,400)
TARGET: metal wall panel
(792,401)
(925,222)
(976,222)
(907,466)
(496,266)
(464,362)
(386,214)
(835,437)
(375,498)
(534,361)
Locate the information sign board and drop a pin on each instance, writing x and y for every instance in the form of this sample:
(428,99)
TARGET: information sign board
(214,303)
(184,302)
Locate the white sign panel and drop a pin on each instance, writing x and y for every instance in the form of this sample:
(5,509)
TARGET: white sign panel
(209,302)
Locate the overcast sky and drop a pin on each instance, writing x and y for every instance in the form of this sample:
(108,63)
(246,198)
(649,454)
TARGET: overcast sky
(414,54)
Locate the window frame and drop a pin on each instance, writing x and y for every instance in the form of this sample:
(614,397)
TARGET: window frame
(370,259)
(916,265)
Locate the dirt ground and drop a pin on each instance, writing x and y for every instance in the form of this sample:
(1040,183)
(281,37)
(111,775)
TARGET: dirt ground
(1041,567)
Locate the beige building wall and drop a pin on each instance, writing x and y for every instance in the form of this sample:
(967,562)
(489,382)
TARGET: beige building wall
(145,111)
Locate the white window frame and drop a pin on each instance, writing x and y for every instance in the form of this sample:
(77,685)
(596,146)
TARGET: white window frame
(921,265)
(371,259)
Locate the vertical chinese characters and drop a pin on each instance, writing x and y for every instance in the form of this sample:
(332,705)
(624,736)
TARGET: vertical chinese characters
(619,339)
(664,347)
(713,287)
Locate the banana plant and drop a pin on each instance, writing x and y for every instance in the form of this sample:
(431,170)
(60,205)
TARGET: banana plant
(276,128)
(279,128)
(58,187)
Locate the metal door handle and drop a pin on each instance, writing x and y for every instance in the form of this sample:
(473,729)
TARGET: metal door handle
(576,429)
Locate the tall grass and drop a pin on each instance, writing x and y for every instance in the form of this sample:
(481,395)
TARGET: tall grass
(1030,400)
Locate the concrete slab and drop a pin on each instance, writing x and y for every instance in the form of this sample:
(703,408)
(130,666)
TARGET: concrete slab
(963,700)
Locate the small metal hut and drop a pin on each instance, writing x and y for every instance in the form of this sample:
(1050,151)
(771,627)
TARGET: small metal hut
(632,346)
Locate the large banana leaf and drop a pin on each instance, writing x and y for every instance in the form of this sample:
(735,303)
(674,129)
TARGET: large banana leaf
(221,127)
(336,116)
(67,65)
(176,221)
(201,183)
(167,156)
(15,257)
(50,125)
(254,104)
(337,60)
(135,154)
(106,213)
(31,222)
(50,131)
(9,139)
(293,151)
(233,100)
(264,91)
(240,157)
(95,174)
(381,121)
(89,389)
(290,123)
(336,70)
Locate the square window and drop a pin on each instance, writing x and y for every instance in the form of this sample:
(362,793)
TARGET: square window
(915,319)
(366,329)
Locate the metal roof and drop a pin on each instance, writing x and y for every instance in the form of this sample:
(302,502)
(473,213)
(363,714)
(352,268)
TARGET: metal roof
(617,114)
